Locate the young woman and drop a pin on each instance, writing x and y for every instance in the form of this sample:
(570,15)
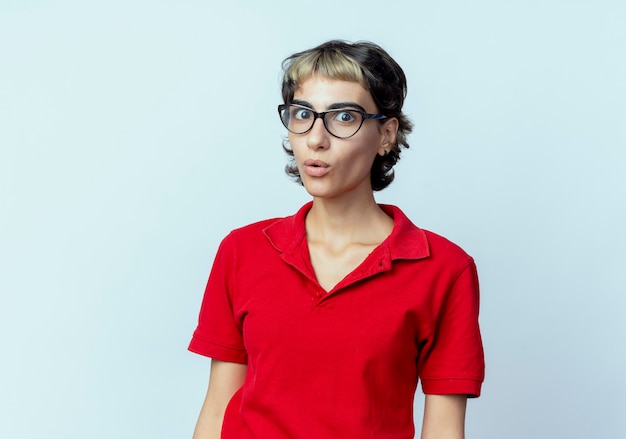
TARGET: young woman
(320,324)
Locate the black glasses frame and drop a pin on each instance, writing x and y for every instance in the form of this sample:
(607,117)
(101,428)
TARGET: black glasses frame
(322,115)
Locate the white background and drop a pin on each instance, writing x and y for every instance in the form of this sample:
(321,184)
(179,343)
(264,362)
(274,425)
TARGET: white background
(135,134)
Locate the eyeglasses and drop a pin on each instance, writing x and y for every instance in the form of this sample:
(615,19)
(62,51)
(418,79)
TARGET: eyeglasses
(341,123)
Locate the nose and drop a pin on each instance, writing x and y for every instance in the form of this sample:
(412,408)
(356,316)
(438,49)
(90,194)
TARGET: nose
(318,137)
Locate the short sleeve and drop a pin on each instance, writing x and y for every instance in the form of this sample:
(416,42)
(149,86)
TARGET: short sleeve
(219,333)
(453,360)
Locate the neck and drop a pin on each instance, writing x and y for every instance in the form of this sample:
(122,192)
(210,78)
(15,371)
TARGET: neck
(347,220)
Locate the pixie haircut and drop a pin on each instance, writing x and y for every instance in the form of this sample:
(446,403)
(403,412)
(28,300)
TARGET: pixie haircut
(367,64)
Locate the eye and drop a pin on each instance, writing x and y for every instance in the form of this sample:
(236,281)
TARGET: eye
(345,116)
(302,113)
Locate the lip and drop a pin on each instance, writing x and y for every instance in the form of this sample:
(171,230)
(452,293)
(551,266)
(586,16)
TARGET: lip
(315,168)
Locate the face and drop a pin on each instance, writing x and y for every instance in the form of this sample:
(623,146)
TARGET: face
(331,167)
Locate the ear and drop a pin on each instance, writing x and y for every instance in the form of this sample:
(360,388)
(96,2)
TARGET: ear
(389,133)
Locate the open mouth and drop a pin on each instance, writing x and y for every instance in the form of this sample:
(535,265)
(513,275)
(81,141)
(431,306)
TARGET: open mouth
(315,164)
(315,168)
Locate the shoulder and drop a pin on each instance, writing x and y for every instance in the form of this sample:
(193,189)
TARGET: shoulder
(250,233)
(412,242)
(254,228)
(441,247)
(246,243)
(447,256)
(279,233)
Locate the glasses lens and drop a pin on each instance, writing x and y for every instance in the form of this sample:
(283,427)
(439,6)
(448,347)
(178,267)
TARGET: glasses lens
(339,123)
(343,123)
(297,119)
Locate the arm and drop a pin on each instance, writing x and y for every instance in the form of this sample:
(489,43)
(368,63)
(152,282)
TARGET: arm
(226,378)
(444,417)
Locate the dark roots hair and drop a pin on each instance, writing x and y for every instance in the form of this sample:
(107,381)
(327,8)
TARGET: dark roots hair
(376,71)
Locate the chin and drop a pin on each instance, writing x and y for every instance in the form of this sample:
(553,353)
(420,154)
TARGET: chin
(318,191)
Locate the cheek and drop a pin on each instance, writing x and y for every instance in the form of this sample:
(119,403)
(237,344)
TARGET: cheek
(367,148)
(296,149)
(297,139)
(294,143)
(358,160)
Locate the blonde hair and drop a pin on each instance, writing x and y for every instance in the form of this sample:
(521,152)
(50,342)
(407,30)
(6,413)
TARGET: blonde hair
(330,64)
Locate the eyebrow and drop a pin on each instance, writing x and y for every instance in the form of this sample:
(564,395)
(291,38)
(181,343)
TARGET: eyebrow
(335,106)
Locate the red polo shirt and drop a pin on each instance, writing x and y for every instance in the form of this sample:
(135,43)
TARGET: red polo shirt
(344,363)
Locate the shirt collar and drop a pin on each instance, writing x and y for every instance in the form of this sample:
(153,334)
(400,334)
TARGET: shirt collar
(406,241)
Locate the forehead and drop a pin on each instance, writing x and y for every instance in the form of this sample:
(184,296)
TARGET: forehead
(321,92)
